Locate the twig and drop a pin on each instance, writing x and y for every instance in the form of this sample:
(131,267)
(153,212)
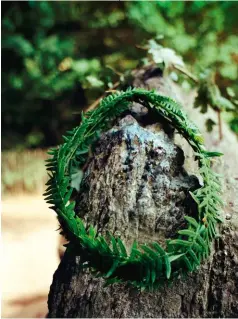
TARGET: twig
(115,85)
(187,73)
(220,125)
(94,104)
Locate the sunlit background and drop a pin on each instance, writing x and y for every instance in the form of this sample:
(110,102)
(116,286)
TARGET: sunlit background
(57,59)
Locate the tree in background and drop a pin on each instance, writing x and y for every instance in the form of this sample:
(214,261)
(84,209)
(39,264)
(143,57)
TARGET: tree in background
(58,57)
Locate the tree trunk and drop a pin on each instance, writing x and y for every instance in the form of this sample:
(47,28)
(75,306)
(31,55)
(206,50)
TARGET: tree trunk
(136,185)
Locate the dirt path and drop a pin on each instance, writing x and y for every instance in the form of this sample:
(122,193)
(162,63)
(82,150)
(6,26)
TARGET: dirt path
(29,256)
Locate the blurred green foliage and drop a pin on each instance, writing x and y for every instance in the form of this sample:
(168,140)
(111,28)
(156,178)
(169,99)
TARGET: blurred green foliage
(58,57)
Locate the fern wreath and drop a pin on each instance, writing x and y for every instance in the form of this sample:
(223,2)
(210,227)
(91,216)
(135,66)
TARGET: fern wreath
(150,265)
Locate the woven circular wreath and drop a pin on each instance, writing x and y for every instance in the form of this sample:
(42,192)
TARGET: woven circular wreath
(149,265)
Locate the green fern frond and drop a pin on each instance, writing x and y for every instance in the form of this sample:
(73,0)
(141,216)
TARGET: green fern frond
(146,266)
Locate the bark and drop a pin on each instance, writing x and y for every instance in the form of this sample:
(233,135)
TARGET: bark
(136,185)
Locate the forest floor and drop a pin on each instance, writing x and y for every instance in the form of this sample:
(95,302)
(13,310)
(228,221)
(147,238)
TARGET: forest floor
(29,255)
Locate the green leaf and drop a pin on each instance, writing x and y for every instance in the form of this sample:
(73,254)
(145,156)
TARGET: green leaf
(187,232)
(134,250)
(195,198)
(70,207)
(212,154)
(92,231)
(188,263)
(180,242)
(168,266)
(166,258)
(230,92)
(149,251)
(153,275)
(175,257)
(104,244)
(159,264)
(114,245)
(135,253)
(122,247)
(203,243)
(68,196)
(148,275)
(82,151)
(193,256)
(158,248)
(192,221)
(80,225)
(113,268)
(197,247)
(202,229)
(209,124)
